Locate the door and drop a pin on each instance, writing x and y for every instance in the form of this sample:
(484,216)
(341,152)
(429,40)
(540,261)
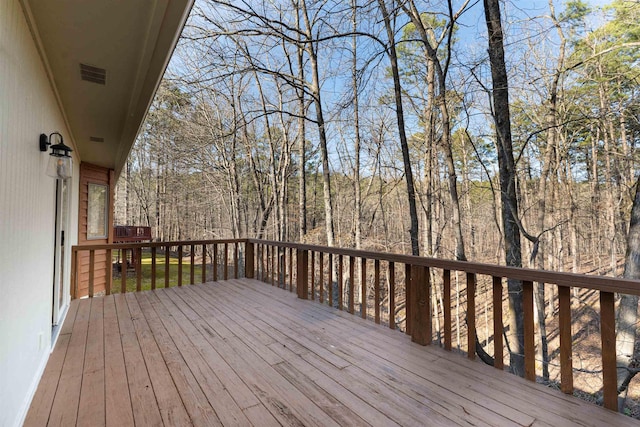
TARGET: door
(60,285)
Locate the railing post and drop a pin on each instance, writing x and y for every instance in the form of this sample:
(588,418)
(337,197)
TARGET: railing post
(302,283)
(420,304)
(248,261)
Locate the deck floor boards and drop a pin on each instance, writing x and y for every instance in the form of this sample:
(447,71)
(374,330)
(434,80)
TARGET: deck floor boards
(241,352)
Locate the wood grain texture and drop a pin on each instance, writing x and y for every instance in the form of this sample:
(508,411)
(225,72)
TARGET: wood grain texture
(564,324)
(238,352)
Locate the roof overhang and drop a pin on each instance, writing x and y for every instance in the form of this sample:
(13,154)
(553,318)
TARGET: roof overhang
(132,40)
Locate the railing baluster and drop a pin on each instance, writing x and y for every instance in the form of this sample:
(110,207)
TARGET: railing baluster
(330,282)
(471,316)
(498,328)
(74,273)
(180,265)
(215,262)
(446,281)
(273,266)
(608,337)
(564,322)
(291,269)
(109,273)
(407,298)
(138,269)
(312,269)
(204,263)
(340,283)
(392,295)
(281,282)
(192,271)
(153,267)
(235,260)
(321,278)
(167,262)
(529,337)
(92,260)
(123,272)
(376,289)
(352,272)
(363,288)
(226,261)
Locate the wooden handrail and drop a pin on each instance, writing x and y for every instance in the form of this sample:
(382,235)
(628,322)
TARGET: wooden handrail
(600,283)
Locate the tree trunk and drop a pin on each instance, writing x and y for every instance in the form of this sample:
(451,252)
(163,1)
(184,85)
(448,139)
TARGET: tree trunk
(397,91)
(507,173)
(628,309)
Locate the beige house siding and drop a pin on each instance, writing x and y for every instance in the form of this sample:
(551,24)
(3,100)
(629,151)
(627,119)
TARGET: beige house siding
(28,107)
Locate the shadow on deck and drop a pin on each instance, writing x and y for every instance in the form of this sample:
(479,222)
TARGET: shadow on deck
(239,352)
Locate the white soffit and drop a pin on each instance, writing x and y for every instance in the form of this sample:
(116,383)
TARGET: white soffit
(126,43)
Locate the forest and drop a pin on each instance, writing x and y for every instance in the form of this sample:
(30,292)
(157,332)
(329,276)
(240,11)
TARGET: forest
(306,121)
(493,131)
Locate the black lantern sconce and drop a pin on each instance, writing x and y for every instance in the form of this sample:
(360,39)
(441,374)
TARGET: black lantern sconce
(60,163)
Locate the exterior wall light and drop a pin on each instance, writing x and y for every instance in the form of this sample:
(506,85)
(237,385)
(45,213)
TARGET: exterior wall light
(60,163)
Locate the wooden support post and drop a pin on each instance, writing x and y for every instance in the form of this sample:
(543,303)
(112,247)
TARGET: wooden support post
(180,265)
(153,267)
(392,295)
(564,321)
(302,284)
(249,272)
(446,280)
(420,303)
(498,328)
(529,337)
(471,316)
(92,267)
(608,335)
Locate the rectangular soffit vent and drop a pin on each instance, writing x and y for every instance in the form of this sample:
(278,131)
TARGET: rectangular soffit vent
(96,139)
(93,74)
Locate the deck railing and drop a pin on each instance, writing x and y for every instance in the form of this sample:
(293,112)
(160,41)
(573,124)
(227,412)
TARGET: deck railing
(387,284)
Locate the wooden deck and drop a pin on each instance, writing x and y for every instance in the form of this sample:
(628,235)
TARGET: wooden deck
(241,352)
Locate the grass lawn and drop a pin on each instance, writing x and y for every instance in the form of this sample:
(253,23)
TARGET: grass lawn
(160,273)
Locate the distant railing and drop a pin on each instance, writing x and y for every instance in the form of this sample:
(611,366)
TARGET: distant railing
(388,281)
(219,259)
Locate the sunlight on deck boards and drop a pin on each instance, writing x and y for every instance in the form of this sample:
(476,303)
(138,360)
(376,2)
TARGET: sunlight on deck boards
(241,352)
